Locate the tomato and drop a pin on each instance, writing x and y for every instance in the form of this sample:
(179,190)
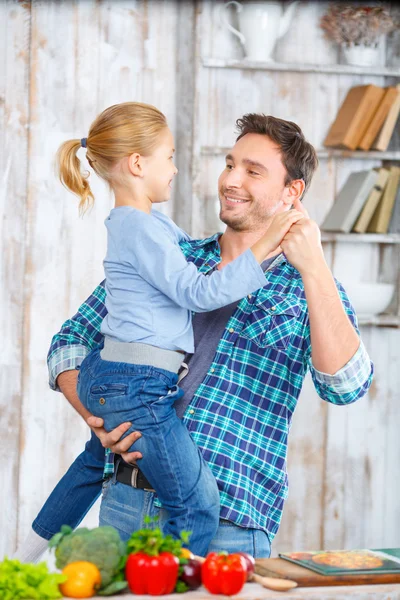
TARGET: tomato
(154,575)
(224,573)
(83,580)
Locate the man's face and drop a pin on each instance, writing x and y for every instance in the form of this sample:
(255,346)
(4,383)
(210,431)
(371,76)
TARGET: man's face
(252,186)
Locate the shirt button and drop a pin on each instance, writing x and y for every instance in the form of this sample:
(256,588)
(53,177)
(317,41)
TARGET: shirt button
(249,296)
(273,307)
(231,330)
(212,370)
(191,411)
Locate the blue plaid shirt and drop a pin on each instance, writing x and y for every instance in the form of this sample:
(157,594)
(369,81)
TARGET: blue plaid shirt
(241,414)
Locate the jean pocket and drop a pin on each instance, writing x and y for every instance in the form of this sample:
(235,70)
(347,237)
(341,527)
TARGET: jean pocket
(109,390)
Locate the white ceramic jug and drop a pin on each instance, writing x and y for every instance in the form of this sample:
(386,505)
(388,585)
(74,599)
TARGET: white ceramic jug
(261,24)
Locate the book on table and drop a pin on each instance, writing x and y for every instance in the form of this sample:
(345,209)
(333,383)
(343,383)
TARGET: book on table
(350,201)
(372,202)
(383,213)
(347,562)
(382,140)
(388,100)
(354,116)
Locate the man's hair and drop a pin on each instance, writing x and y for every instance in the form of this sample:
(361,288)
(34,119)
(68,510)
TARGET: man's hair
(298,156)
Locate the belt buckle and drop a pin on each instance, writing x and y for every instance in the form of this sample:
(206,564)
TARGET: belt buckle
(134,476)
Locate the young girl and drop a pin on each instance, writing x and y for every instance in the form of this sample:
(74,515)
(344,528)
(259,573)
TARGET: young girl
(151,293)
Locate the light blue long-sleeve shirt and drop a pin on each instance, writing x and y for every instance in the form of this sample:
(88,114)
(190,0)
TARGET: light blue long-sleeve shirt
(152,289)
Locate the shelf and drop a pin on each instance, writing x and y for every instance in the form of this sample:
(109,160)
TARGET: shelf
(323,153)
(366,238)
(226,63)
(380,320)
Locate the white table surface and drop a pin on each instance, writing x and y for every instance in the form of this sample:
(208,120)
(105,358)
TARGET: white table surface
(254,591)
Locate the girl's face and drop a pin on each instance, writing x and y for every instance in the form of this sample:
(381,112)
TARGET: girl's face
(159,169)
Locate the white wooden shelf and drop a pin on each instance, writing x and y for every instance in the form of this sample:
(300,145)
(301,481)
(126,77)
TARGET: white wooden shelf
(226,63)
(380,320)
(366,238)
(322,153)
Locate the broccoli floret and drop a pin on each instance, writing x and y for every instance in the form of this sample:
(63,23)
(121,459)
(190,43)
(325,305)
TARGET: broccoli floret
(101,546)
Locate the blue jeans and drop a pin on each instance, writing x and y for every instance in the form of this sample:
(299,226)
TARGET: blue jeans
(74,494)
(125,507)
(119,392)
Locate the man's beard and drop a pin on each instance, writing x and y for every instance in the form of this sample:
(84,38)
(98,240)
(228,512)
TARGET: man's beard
(258,218)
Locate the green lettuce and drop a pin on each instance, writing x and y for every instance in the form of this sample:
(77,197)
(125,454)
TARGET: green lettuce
(20,581)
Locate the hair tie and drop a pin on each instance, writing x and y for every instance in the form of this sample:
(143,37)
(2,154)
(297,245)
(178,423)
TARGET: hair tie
(84,142)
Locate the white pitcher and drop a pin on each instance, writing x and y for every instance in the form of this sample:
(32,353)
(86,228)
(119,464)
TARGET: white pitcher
(261,24)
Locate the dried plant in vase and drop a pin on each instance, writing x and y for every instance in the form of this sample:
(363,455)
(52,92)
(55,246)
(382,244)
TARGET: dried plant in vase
(357,27)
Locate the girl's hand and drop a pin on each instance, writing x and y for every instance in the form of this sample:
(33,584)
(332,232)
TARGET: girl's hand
(279,227)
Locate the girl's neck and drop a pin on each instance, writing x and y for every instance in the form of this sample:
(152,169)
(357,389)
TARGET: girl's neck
(129,197)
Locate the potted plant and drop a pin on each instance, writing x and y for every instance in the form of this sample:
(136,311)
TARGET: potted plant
(357,29)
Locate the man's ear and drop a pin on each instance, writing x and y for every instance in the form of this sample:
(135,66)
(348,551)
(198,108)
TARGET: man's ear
(293,191)
(135,165)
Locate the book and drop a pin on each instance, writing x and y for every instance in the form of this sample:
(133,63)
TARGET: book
(347,562)
(394,225)
(382,140)
(350,201)
(389,98)
(372,202)
(354,116)
(382,215)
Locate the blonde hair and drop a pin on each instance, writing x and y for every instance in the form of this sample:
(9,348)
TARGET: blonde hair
(117,132)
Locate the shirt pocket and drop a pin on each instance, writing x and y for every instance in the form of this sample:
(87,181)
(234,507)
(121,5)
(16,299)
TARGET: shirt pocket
(271,323)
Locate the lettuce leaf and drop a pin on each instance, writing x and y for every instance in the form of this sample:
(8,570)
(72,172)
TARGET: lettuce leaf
(19,581)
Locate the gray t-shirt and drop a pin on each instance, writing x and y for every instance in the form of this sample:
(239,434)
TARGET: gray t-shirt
(208,329)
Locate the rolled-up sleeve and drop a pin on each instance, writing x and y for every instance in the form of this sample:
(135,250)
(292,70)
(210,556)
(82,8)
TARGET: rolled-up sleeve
(77,336)
(348,384)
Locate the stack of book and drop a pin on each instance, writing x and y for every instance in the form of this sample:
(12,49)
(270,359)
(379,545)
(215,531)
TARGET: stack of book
(369,202)
(366,119)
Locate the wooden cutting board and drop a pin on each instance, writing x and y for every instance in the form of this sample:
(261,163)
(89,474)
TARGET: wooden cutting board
(277,567)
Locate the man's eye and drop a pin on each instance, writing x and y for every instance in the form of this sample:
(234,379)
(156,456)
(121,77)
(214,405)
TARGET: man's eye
(253,173)
(229,167)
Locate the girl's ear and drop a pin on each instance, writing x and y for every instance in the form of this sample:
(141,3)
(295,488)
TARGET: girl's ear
(135,165)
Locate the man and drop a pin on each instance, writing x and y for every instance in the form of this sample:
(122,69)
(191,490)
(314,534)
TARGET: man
(251,359)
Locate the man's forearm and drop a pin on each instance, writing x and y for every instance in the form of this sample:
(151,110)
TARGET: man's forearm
(67,384)
(334,341)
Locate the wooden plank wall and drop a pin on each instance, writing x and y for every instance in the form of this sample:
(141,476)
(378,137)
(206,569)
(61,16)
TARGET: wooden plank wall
(62,63)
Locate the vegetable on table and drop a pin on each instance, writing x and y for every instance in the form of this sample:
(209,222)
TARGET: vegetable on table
(224,573)
(154,575)
(83,580)
(19,581)
(250,564)
(152,566)
(190,574)
(101,546)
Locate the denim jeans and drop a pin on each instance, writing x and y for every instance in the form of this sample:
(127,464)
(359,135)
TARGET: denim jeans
(119,392)
(75,493)
(125,508)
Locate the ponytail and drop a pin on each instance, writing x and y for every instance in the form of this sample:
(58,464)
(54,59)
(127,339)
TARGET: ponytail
(71,175)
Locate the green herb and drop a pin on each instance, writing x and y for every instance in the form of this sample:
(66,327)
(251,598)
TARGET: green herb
(19,581)
(153,541)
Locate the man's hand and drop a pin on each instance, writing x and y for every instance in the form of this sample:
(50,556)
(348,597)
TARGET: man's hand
(112,439)
(302,244)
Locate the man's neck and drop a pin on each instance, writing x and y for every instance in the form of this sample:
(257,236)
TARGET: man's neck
(233,243)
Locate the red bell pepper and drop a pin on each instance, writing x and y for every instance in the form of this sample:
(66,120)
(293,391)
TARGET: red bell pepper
(223,573)
(154,575)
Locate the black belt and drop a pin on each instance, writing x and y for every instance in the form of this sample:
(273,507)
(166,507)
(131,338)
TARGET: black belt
(131,475)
